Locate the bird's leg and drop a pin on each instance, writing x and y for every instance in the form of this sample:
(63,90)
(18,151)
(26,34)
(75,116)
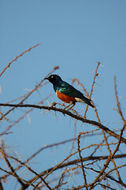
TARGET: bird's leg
(53,104)
(67,106)
(70,106)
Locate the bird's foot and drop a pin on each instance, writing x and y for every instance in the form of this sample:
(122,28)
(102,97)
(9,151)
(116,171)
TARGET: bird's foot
(53,104)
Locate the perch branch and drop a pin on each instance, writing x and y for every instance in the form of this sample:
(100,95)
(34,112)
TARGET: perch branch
(66,112)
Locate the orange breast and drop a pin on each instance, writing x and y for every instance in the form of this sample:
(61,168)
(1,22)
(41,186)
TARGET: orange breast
(64,97)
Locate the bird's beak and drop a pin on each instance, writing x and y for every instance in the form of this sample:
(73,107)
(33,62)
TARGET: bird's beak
(46,78)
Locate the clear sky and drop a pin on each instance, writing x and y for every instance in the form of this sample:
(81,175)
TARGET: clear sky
(74,34)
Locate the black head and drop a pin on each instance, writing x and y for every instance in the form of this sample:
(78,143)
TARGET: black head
(54,79)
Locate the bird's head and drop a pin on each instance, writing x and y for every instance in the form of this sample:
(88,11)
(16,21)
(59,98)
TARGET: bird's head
(53,79)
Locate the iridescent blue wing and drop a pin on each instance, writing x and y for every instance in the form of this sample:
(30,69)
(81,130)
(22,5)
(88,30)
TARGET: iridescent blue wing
(69,90)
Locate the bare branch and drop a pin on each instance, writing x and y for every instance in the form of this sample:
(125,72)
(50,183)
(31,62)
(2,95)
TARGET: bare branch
(96,74)
(117,101)
(63,111)
(81,160)
(29,49)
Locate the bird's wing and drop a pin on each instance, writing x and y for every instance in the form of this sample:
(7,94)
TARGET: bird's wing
(69,90)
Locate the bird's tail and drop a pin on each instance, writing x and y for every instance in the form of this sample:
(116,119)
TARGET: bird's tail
(85,100)
(88,101)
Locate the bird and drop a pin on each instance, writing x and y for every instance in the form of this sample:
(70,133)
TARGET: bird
(66,92)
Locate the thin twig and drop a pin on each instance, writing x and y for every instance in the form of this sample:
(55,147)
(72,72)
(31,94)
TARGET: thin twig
(27,50)
(81,160)
(117,102)
(96,74)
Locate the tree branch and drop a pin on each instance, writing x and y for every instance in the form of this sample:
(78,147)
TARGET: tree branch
(66,112)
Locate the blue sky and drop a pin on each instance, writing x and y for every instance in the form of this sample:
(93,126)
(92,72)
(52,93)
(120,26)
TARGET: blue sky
(74,35)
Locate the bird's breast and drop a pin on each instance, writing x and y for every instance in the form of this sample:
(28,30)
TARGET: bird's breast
(65,98)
